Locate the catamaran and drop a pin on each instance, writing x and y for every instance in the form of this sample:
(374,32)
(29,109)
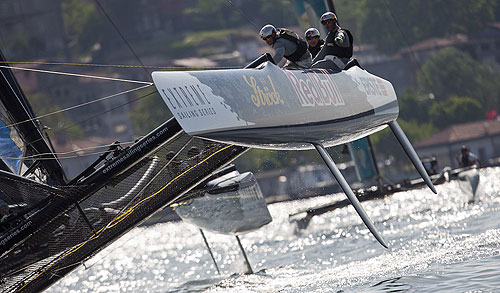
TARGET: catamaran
(264,106)
(55,225)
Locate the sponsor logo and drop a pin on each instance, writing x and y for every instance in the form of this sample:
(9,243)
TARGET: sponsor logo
(372,86)
(134,150)
(15,233)
(315,88)
(188,101)
(264,92)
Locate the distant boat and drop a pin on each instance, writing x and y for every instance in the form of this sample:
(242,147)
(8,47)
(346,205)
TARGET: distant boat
(469,182)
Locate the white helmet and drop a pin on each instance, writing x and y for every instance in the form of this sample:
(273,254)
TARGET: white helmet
(311,33)
(266,31)
(328,16)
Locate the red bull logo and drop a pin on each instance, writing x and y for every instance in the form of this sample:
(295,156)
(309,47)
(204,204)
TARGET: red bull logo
(315,89)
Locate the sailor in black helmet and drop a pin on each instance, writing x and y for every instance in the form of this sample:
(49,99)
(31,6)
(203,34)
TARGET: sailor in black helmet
(337,49)
(287,44)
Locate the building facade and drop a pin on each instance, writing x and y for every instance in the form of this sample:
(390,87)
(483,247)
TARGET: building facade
(481,137)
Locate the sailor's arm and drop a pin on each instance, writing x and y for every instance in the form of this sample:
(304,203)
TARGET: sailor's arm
(279,52)
(342,39)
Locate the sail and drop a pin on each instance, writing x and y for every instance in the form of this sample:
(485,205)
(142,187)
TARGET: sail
(363,159)
(309,12)
(11,152)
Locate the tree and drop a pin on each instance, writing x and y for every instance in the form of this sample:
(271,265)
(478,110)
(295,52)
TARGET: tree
(414,106)
(451,72)
(385,144)
(79,18)
(150,112)
(393,24)
(455,110)
(58,124)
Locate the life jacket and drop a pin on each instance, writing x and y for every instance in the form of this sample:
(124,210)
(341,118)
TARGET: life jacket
(315,50)
(293,37)
(342,52)
(466,161)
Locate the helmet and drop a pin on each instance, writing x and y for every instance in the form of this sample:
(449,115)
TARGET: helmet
(312,32)
(327,16)
(266,31)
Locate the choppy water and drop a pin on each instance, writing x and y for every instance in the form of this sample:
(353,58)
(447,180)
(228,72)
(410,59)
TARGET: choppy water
(437,243)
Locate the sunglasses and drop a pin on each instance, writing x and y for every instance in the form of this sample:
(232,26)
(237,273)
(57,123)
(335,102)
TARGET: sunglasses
(266,38)
(326,21)
(312,38)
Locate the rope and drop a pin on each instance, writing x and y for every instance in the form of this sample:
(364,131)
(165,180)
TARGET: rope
(172,68)
(76,106)
(121,35)
(70,126)
(415,58)
(242,13)
(69,152)
(77,75)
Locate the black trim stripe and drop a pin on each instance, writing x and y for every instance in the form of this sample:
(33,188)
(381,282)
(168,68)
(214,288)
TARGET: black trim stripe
(309,124)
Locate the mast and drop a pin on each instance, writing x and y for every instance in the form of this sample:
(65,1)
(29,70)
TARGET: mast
(19,110)
(331,6)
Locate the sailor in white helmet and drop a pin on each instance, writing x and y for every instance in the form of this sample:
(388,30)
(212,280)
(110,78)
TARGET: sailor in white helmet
(314,41)
(287,44)
(337,50)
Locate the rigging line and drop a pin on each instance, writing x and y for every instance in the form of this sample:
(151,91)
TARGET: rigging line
(413,55)
(125,143)
(120,218)
(104,112)
(107,111)
(78,75)
(59,158)
(76,106)
(121,65)
(122,36)
(242,13)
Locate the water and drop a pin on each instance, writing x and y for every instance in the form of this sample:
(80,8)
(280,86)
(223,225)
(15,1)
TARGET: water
(437,243)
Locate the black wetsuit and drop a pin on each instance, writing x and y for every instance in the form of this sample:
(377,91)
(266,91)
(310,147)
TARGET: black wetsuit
(331,49)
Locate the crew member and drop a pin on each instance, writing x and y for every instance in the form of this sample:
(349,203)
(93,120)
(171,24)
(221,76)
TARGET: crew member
(337,49)
(430,165)
(287,44)
(467,158)
(313,40)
